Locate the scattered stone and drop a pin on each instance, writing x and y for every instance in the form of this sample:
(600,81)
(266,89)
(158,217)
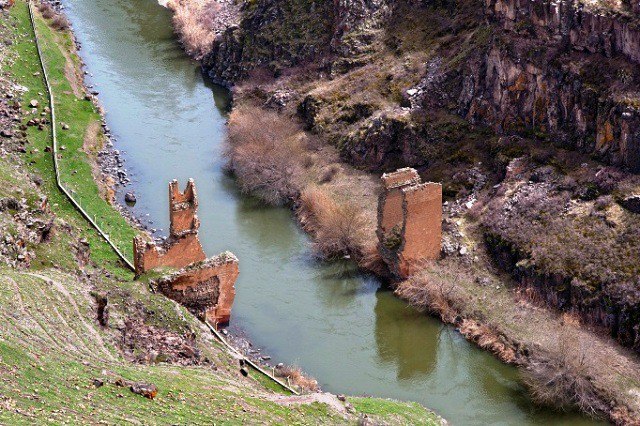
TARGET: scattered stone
(34,103)
(6,133)
(64,126)
(145,389)
(631,203)
(98,383)
(130,198)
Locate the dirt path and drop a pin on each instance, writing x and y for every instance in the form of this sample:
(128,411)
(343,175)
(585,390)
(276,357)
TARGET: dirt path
(90,328)
(323,398)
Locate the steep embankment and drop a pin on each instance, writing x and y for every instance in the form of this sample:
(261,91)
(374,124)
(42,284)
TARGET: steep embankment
(77,333)
(527,113)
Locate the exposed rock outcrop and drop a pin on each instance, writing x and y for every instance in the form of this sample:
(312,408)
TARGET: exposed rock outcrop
(279,34)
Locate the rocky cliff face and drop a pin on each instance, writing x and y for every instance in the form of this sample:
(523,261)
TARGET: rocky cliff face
(561,69)
(276,34)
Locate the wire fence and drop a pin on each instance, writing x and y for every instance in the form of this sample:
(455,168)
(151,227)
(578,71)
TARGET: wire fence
(69,193)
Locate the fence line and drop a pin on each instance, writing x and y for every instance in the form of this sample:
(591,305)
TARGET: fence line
(54,150)
(237,353)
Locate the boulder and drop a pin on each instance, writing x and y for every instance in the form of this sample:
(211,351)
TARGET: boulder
(631,203)
(130,197)
(145,389)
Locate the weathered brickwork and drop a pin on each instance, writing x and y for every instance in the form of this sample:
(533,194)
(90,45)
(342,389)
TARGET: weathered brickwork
(183,246)
(409,221)
(204,286)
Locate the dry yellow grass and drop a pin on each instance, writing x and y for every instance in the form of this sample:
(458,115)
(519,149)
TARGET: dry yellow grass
(339,227)
(192,20)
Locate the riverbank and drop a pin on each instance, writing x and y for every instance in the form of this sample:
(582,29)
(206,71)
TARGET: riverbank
(485,304)
(77,332)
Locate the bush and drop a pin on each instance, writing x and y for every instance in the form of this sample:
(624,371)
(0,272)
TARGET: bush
(297,378)
(60,23)
(194,21)
(329,173)
(46,10)
(265,153)
(435,293)
(563,381)
(339,228)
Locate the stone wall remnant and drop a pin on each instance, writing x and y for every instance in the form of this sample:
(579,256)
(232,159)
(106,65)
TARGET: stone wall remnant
(204,286)
(409,221)
(183,246)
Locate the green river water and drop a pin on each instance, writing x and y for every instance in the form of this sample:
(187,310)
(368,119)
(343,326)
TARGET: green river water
(337,324)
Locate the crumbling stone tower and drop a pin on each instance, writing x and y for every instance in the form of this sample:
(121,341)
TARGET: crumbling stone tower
(409,221)
(183,209)
(183,246)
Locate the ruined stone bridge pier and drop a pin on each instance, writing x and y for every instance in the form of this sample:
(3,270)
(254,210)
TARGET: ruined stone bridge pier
(204,286)
(409,222)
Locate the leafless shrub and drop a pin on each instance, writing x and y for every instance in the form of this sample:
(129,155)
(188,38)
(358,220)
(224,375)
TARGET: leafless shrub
(308,161)
(259,75)
(194,21)
(339,227)
(371,260)
(297,378)
(60,23)
(328,173)
(265,154)
(434,292)
(602,203)
(563,380)
(46,10)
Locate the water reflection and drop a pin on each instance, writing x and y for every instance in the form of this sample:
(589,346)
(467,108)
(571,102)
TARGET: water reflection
(399,331)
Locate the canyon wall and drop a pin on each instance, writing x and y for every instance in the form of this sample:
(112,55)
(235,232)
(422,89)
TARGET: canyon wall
(563,70)
(277,34)
(458,90)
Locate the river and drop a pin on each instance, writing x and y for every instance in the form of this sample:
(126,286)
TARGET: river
(337,324)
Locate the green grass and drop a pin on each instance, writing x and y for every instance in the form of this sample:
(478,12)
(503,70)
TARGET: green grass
(74,163)
(52,349)
(405,413)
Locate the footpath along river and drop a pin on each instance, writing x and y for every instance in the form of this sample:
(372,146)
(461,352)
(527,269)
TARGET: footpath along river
(338,325)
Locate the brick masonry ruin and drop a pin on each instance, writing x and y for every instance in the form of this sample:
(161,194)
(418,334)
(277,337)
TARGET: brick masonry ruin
(204,286)
(409,221)
(183,246)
